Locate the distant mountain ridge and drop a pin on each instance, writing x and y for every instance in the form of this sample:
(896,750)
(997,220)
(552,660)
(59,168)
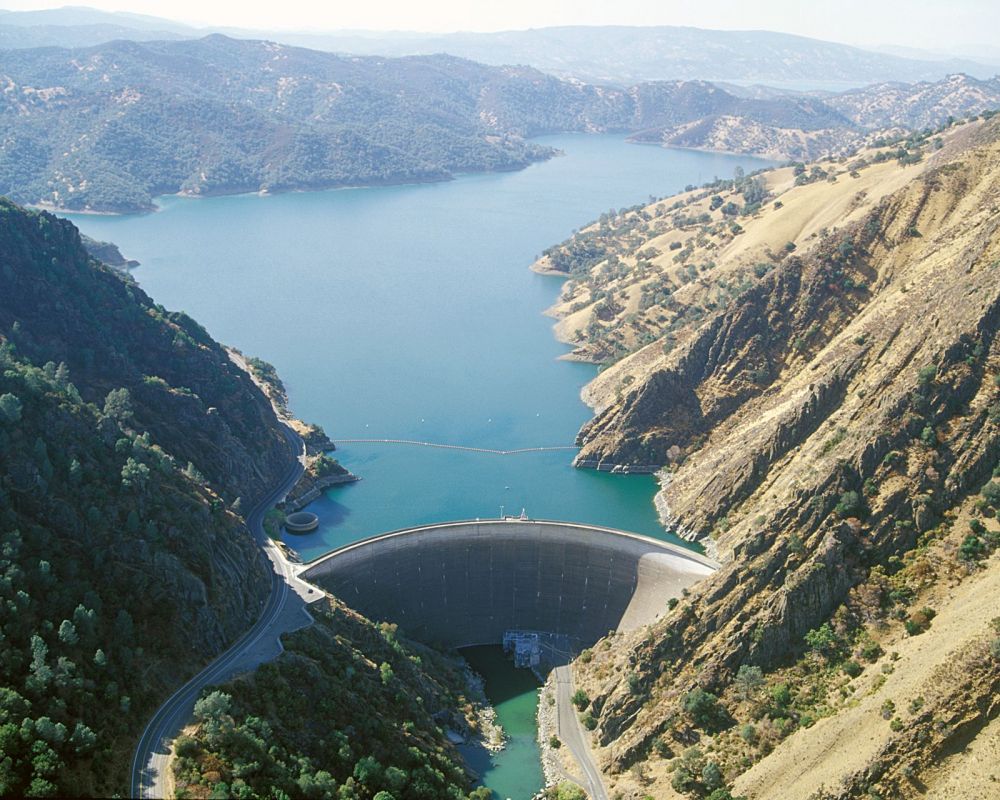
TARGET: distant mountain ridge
(625,54)
(109,128)
(609,53)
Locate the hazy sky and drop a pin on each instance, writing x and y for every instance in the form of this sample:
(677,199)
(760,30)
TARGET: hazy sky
(933,24)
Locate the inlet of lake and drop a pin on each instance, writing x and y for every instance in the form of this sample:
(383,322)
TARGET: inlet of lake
(409,312)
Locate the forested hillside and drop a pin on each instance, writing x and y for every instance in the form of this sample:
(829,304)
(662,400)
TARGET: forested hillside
(124,564)
(349,710)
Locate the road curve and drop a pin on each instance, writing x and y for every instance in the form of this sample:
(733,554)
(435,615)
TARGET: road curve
(572,735)
(150,763)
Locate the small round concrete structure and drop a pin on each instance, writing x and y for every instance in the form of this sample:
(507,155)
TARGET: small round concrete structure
(301,522)
(466,583)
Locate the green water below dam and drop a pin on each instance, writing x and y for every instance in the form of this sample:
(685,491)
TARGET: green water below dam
(409,312)
(516,771)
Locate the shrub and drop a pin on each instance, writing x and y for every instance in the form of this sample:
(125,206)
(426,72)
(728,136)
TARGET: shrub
(711,776)
(580,699)
(554,742)
(781,695)
(870,650)
(850,505)
(703,708)
(991,493)
(926,375)
(570,791)
(852,668)
(972,548)
(823,640)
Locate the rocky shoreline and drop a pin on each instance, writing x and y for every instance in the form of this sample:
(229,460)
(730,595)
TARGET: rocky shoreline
(316,488)
(490,734)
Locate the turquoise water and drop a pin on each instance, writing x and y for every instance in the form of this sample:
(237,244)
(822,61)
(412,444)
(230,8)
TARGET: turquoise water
(515,772)
(409,312)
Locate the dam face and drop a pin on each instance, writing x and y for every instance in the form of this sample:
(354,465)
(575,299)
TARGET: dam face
(466,583)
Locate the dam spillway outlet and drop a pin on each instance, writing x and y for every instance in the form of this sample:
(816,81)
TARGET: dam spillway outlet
(301,522)
(461,584)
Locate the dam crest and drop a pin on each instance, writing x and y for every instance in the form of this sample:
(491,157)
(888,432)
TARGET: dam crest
(459,584)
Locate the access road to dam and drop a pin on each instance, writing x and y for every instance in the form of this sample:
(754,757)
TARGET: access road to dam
(283,611)
(453,585)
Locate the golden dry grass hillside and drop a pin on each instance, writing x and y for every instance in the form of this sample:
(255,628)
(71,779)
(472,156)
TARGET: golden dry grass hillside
(828,414)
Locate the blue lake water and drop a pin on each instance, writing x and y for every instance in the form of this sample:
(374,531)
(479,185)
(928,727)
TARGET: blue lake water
(409,312)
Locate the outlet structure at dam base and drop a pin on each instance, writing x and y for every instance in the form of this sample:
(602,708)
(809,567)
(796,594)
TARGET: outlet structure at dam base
(460,584)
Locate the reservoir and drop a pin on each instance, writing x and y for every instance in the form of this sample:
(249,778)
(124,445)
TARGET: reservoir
(409,312)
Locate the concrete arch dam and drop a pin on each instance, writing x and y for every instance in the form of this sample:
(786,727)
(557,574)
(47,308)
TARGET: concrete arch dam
(466,583)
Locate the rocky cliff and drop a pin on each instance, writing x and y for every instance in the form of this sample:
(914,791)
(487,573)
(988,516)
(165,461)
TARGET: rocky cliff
(822,382)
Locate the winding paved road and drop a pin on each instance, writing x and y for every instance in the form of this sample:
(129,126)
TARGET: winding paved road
(284,610)
(571,734)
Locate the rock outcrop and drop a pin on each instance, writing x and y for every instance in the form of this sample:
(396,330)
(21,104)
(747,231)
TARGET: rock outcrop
(831,416)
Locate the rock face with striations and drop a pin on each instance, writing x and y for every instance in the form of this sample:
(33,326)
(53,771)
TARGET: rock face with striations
(827,417)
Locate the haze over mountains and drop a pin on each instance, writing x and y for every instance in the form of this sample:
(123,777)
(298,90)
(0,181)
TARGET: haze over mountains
(617,54)
(110,127)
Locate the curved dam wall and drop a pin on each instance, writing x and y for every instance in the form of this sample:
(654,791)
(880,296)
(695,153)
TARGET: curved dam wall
(465,583)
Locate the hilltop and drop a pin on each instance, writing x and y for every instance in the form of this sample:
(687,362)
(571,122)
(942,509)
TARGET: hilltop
(811,352)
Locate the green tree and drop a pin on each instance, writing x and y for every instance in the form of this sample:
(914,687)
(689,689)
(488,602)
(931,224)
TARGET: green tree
(67,633)
(850,505)
(570,791)
(711,776)
(823,640)
(991,493)
(118,405)
(749,679)
(703,708)
(10,408)
(135,475)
